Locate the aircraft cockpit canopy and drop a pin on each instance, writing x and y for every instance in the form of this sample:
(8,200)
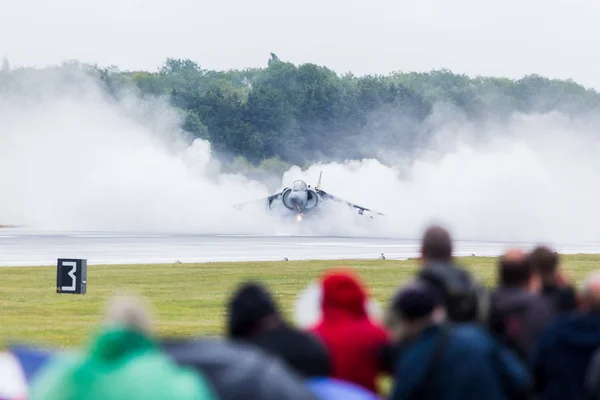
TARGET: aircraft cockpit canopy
(299,186)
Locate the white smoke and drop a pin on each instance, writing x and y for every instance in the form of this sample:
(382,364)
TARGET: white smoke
(533,179)
(77,161)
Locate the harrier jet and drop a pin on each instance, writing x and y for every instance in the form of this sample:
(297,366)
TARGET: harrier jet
(300,199)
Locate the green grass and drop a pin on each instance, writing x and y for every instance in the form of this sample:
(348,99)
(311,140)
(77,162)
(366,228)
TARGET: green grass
(189,299)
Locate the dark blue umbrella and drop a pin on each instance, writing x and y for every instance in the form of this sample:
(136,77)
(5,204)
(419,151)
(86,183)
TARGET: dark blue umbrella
(335,389)
(31,358)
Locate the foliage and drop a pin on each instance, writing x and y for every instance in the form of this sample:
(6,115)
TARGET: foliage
(303,113)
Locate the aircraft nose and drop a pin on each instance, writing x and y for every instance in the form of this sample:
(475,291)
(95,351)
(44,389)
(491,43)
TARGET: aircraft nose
(297,198)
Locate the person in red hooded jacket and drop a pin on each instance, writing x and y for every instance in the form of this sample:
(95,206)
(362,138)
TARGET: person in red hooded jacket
(352,339)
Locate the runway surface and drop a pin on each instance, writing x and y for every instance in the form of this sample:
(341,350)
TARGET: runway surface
(28,248)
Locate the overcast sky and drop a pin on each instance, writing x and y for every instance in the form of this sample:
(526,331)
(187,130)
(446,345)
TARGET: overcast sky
(555,38)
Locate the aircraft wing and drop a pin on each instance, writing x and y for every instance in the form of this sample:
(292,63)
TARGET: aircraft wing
(268,200)
(360,209)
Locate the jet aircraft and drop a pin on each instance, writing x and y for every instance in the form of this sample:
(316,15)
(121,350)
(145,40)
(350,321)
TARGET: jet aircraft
(300,199)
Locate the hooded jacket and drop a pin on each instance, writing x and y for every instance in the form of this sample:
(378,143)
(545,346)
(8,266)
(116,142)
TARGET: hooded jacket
(120,364)
(351,338)
(563,355)
(518,318)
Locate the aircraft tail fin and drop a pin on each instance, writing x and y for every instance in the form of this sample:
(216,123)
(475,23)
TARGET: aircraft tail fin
(319,182)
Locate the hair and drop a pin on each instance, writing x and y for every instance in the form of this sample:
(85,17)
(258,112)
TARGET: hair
(514,271)
(131,311)
(436,244)
(247,309)
(544,261)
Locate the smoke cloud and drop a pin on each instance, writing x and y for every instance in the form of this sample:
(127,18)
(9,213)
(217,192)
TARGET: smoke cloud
(531,179)
(75,160)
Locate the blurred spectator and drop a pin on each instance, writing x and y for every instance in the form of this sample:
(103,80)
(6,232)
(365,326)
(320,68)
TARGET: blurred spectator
(566,347)
(464,299)
(254,317)
(517,316)
(238,370)
(353,340)
(121,362)
(554,285)
(437,360)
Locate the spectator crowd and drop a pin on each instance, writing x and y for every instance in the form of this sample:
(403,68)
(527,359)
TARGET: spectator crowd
(444,335)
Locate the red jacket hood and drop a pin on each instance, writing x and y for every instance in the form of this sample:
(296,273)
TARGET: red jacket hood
(344,294)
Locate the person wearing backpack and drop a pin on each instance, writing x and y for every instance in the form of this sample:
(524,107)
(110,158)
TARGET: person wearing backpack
(518,316)
(465,299)
(553,283)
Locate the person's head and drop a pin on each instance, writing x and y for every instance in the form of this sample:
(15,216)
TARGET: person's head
(416,307)
(342,290)
(132,312)
(251,310)
(514,269)
(544,263)
(436,245)
(590,293)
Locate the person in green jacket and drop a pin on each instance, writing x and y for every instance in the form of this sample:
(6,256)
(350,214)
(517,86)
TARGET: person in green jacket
(123,361)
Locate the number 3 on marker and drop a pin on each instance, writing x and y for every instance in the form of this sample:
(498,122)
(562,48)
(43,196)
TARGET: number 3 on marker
(71,274)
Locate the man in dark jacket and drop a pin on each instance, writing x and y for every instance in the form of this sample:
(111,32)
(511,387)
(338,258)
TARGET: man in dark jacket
(554,286)
(254,318)
(465,300)
(450,362)
(565,348)
(518,316)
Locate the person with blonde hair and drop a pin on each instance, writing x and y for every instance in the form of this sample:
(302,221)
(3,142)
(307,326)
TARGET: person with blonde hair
(122,361)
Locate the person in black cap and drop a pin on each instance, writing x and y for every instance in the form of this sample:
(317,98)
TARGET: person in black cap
(442,360)
(254,318)
(414,308)
(251,310)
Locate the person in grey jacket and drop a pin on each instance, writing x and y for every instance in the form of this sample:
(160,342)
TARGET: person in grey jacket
(517,315)
(239,371)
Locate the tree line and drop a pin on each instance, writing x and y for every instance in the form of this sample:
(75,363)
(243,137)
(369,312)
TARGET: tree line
(286,113)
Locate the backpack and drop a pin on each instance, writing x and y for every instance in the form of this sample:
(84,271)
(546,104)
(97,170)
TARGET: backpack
(507,327)
(464,298)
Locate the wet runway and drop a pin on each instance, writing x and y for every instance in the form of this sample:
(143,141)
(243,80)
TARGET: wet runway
(26,248)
